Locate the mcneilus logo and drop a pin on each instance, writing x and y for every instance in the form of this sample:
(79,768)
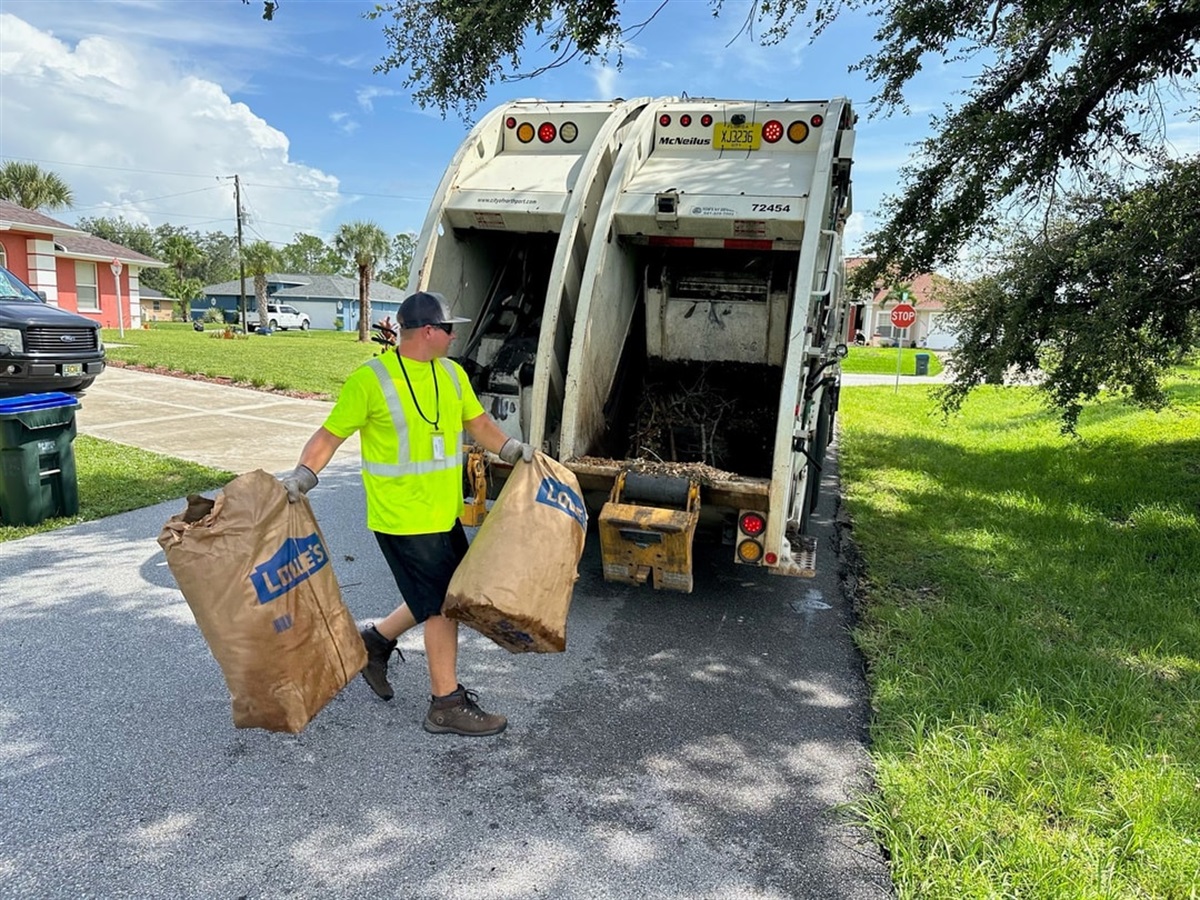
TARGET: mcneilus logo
(678,142)
(294,562)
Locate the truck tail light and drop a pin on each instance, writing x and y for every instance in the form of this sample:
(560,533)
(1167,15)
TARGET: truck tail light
(568,132)
(547,132)
(525,133)
(751,526)
(752,523)
(797,132)
(772,131)
(706,120)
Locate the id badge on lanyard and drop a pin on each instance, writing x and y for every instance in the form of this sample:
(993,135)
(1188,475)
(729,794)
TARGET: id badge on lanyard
(439,446)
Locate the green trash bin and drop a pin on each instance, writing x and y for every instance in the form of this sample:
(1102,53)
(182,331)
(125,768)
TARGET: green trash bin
(37,459)
(922,363)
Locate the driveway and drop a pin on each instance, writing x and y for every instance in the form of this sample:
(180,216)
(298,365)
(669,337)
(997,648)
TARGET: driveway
(684,746)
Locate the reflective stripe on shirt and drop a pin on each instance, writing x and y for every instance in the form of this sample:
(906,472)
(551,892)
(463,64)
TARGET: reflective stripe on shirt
(404,464)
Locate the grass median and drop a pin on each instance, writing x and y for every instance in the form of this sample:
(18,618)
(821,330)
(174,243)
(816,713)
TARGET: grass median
(882,361)
(310,362)
(113,478)
(1033,641)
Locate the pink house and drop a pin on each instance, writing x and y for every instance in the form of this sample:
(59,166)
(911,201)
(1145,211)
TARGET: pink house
(71,268)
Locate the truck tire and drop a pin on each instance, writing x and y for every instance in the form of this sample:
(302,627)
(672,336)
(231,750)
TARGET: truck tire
(304,325)
(273,325)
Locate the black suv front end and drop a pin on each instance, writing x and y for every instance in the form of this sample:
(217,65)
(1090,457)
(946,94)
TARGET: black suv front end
(42,347)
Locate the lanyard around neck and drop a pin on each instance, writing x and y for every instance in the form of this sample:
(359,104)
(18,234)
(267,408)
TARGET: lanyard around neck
(437,400)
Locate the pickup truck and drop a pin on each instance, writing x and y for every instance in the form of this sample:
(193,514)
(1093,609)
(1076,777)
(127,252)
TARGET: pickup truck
(280,317)
(42,347)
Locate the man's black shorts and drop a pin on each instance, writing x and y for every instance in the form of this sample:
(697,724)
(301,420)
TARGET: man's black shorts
(422,565)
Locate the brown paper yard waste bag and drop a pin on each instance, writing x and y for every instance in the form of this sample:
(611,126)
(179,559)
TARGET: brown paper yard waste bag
(515,583)
(257,575)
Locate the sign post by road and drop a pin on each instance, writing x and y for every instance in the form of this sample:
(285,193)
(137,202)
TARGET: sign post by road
(903,316)
(116,267)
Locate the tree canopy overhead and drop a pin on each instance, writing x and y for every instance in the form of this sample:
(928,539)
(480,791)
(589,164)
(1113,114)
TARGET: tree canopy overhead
(1068,94)
(1063,85)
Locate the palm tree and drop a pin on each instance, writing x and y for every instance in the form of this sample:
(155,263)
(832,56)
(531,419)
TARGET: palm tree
(27,185)
(181,252)
(364,244)
(260,258)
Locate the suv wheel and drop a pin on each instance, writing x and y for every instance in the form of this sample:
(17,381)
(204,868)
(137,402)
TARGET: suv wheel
(273,325)
(304,324)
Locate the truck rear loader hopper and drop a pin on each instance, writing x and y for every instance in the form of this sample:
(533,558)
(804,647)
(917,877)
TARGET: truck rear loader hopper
(714,277)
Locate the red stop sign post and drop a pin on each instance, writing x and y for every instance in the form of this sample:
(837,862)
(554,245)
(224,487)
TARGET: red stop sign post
(903,316)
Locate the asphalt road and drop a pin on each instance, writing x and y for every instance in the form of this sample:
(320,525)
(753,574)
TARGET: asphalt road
(684,746)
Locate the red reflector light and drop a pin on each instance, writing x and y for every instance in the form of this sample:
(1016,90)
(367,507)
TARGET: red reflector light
(547,132)
(817,121)
(510,122)
(658,240)
(772,131)
(706,120)
(664,120)
(771,559)
(685,120)
(752,524)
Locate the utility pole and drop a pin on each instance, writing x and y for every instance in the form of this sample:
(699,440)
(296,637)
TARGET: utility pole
(237,197)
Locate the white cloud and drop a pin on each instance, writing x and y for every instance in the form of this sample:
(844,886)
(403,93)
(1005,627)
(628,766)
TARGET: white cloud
(605,79)
(366,96)
(134,135)
(343,122)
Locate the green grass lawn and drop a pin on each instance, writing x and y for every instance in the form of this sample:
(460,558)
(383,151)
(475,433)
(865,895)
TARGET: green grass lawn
(311,361)
(113,478)
(882,361)
(1032,631)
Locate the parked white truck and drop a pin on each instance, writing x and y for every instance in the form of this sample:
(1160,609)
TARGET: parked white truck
(656,295)
(280,317)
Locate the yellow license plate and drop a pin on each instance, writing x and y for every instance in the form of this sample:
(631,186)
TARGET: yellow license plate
(737,137)
(72,368)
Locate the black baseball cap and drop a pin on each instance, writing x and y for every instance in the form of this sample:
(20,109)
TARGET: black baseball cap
(426,308)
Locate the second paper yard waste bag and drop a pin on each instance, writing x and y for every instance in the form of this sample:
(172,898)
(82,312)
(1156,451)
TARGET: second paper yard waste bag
(515,583)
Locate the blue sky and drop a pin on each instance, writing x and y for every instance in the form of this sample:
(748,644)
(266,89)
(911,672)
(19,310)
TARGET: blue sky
(144,106)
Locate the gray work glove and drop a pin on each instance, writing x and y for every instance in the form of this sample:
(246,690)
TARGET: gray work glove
(514,451)
(300,482)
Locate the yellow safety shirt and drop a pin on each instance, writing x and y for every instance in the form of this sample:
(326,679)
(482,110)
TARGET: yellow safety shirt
(408,490)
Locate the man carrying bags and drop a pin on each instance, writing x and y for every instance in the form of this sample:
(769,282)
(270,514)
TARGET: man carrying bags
(410,408)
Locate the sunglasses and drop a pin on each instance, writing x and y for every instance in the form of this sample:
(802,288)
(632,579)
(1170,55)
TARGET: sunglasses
(444,326)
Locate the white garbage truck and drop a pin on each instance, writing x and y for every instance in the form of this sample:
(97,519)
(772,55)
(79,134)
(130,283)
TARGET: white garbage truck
(658,303)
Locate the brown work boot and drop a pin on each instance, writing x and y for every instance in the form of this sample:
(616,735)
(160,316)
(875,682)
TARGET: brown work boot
(459,713)
(379,651)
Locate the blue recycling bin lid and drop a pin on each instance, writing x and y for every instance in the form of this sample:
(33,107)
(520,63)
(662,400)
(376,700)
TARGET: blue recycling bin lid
(35,402)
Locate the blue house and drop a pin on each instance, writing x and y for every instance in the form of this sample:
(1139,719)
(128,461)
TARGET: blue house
(330,301)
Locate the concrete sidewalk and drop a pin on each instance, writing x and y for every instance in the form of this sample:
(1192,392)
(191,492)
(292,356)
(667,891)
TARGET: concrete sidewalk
(213,424)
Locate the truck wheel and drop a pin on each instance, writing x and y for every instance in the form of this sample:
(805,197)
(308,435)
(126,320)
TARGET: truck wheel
(304,325)
(273,325)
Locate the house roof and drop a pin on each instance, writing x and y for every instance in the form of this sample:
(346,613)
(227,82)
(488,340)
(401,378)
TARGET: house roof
(295,286)
(149,293)
(74,242)
(928,289)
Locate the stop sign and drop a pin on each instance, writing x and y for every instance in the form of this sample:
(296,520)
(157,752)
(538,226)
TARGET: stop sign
(903,315)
